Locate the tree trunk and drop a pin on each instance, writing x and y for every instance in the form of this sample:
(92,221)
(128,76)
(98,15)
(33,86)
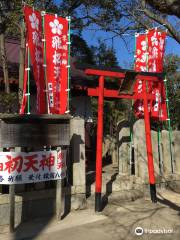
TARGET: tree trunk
(21,64)
(4,62)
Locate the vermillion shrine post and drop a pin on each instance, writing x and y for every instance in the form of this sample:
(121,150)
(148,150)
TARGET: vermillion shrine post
(102,92)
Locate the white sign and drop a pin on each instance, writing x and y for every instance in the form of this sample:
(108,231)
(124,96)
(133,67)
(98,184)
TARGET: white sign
(31,167)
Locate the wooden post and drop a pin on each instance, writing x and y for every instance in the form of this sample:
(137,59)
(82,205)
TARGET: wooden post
(11,207)
(58,197)
(12,201)
(99,146)
(149,146)
(1,186)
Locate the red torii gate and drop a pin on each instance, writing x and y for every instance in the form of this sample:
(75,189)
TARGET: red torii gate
(102,92)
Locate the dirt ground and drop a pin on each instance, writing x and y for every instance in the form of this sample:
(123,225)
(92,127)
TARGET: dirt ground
(119,220)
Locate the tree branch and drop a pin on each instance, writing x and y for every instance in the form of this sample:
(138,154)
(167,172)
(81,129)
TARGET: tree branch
(173,32)
(75,4)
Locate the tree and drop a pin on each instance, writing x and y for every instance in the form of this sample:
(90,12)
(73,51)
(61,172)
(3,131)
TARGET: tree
(172,63)
(170,7)
(81,50)
(104,55)
(11,24)
(126,16)
(158,11)
(3,26)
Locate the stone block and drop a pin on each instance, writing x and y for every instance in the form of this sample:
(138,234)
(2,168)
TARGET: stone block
(166,152)
(78,202)
(77,152)
(154,138)
(141,169)
(124,147)
(141,162)
(176,150)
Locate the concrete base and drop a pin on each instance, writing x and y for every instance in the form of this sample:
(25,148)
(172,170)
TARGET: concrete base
(37,204)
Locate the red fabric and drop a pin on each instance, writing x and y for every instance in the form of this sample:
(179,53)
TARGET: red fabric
(163,110)
(154,44)
(158,106)
(156,48)
(24,98)
(140,66)
(138,104)
(34,39)
(141,49)
(155,104)
(56,35)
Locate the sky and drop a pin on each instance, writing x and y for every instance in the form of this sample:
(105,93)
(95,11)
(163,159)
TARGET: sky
(124,53)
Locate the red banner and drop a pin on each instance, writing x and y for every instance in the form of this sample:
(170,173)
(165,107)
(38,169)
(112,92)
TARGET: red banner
(141,56)
(56,36)
(158,106)
(163,109)
(149,57)
(140,66)
(156,48)
(34,39)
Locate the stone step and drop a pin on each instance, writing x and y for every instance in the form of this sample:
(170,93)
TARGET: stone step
(118,183)
(116,197)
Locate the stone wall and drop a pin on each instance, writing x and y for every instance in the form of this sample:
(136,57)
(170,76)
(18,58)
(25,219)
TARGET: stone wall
(161,153)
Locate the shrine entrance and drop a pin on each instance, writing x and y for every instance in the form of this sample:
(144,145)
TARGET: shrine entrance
(126,80)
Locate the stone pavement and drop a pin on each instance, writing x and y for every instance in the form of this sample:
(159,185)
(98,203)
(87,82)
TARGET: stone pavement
(118,221)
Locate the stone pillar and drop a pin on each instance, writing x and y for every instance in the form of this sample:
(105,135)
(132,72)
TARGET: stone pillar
(110,148)
(176,151)
(124,147)
(106,146)
(140,152)
(114,153)
(166,153)
(154,138)
(141,164)
(77,155)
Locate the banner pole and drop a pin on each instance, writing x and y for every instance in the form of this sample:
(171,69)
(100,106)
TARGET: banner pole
(169,120)
(159,151)
(69,60)
(44,65)
(169,125)
(147,58)
(132,164)
(28,83)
